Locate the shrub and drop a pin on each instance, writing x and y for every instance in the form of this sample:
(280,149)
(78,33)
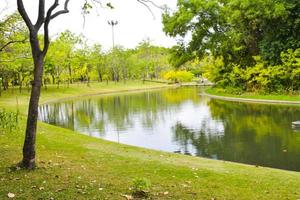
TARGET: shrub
(8,120)
(260,77)
(178,76)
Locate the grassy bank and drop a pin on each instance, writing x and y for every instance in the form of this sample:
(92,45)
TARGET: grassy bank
(75,166)
(13,97)
(274,97)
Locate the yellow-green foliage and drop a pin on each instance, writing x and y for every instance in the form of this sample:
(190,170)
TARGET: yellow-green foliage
(261,76)
(178,76)
(213,67)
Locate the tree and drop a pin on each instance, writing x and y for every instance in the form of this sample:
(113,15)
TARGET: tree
(98,60)
(234,29)
(58,63)
(38,55)
(12,31)
(13,48)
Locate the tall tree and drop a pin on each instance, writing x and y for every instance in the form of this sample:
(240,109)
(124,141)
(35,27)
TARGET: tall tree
(234,29)
(38,55)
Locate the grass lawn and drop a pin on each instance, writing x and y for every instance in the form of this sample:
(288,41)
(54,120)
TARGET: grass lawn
(247,95)
(75,166)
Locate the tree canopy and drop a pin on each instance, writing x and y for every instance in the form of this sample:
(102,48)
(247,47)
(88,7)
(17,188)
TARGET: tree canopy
(234,29)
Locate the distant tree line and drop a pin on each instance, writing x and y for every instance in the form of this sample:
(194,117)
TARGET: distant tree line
(70,59)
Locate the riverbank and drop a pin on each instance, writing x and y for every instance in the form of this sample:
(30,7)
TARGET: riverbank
(13,99)
(217,93)
(72,165)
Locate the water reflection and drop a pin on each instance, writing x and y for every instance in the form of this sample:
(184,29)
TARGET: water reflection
(181,121)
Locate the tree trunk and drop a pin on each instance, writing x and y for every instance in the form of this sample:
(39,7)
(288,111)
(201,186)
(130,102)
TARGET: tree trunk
(20,82)
(28,161)
(45,84)
(70,73)
(5,84)
(0,87)
(88,80)
(99,74)
(53,79)
(20,88)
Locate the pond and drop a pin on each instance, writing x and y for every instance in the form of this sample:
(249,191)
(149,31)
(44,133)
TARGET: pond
(182,121)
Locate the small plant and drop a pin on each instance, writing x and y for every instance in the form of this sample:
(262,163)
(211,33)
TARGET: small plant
(140,187)
(8,120)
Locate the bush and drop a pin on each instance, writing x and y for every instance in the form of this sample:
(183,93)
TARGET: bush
(179,76)
(261,77)
(234,90)
(8,120)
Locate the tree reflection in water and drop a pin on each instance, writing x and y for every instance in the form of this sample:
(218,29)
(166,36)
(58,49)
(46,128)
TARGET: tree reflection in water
(253,134)
(181,121)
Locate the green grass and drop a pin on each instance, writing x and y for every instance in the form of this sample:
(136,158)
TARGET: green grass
(13,97)
(248,95)
(75,166)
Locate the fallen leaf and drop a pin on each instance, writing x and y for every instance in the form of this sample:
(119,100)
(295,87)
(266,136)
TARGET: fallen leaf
(128,197)
(58,190)
(11,195)
(184,185)
(166,193)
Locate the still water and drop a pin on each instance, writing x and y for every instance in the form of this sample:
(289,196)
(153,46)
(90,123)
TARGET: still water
(182,121)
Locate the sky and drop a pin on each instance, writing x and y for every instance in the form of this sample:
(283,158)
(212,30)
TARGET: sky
(135,22)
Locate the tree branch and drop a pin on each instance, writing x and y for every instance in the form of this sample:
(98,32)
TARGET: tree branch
(151,2)
(24,15)
(15,59)
(46,26)
(64,11)
(146,2)
(49,17)
(41,15)
(11,42)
